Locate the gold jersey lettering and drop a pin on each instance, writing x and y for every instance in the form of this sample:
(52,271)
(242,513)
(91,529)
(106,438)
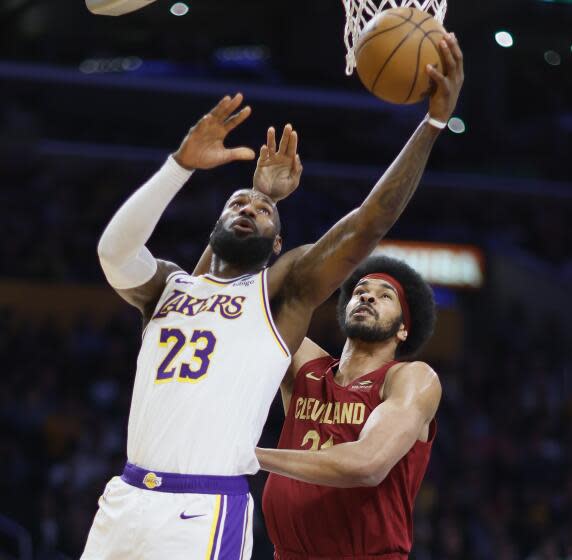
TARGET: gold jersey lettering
(337,413)
(317,410)
(326,419)
(359,413)
(347,413)
(299,407)
(309,408)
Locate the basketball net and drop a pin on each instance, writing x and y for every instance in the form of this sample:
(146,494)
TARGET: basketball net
(360,12)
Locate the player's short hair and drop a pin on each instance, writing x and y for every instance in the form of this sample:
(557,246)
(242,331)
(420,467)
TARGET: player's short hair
(418,293)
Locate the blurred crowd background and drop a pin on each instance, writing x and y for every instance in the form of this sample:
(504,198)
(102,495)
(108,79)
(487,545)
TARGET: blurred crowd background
(90,107)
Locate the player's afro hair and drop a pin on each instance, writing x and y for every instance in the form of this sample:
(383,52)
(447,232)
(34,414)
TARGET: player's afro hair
(418,293)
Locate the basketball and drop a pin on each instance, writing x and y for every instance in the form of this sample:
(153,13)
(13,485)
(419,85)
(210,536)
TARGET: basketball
(393,51)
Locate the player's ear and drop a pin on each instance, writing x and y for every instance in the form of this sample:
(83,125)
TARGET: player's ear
(402,333)
(277,246)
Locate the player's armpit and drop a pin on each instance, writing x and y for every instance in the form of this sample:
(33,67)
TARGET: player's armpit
(307,352)
(146,296)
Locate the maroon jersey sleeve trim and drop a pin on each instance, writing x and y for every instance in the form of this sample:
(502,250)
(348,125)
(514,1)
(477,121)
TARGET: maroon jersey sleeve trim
(379,377)
(432,434)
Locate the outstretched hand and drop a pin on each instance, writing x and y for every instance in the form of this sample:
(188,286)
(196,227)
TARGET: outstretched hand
(442,102)
(278,172)
(203,147)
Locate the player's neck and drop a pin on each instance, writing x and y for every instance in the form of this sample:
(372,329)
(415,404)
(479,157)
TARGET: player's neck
(223,269)
(359,358)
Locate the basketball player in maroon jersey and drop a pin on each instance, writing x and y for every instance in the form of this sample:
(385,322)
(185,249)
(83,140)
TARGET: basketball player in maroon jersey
(358,431)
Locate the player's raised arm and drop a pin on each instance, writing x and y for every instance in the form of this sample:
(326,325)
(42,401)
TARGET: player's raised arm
(279,167)
(411,399)
(312,277)
(128,265)
(277,174)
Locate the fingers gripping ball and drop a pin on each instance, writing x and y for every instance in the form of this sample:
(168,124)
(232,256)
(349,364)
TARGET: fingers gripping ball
(393,51)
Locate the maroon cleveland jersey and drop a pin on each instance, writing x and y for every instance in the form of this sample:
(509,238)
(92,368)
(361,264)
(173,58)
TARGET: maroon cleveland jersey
(307,521)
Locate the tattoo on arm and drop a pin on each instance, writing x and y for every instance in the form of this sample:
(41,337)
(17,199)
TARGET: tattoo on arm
(394,190)
(322,268)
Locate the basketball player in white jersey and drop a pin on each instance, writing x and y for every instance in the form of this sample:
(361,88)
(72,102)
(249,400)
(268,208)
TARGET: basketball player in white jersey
(216,346)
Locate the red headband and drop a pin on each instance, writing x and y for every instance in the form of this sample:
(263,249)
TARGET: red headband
(400,294)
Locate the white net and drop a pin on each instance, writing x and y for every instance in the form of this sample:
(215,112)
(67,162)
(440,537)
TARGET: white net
(360,12)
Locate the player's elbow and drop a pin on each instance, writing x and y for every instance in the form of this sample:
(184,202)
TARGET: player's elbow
(107,252)
(373,478)
(370,473)
(104,250)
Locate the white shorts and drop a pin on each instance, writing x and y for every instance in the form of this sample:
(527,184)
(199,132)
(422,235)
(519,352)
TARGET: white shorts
(146,524)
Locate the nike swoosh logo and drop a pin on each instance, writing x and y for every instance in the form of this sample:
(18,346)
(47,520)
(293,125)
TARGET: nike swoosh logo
(183,516)
(310,375)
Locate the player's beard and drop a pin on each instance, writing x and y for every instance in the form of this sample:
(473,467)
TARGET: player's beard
(249,251)
(371,333)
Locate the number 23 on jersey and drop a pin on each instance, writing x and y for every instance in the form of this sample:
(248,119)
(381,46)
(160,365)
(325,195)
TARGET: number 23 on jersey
(203,345)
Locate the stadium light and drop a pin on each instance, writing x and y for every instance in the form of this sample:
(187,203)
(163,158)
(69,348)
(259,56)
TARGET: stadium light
(504,39)
(179,9)
(552,58)
(457,125)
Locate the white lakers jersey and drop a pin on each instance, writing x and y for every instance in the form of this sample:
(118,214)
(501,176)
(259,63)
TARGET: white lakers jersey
(210,364)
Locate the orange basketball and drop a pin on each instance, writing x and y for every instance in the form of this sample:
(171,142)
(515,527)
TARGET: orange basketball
(393,51)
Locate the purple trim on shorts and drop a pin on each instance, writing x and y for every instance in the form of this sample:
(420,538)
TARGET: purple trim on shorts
(185,483)
(231,544)
(223,501)
(245,527)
